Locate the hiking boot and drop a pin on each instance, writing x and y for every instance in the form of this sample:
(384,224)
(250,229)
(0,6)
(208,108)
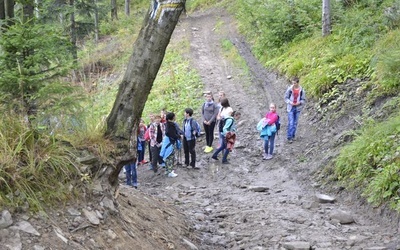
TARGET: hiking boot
(215,158)
(290,140)
(172,174)
(226,162)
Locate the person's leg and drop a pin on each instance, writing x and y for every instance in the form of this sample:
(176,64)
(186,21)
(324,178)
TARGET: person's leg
(220,148)
(211,129)
(139,155)
(271,144)
(265,148)
(226,152)
(160,159)
(220,139)
(134,175)
(154,159)
(290,127)
(186,151)
(169,162)
(128,174)
(150,157)
(192,151)
(207,132)
(143,151)
(296,116)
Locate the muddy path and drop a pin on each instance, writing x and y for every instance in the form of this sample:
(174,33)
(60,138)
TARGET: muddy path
(253,203)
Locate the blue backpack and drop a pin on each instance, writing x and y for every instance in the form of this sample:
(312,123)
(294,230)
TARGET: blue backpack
(278,124)
(195,127)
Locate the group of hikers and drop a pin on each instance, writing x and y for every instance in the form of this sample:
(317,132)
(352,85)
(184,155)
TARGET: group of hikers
(165,137)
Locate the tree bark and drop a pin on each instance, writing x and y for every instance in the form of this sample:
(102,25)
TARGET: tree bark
(27,10)
(114,11)
(72,31)
(9,11)
(144,63)
(96,21)
(326,18)
(2,10)
(127,7)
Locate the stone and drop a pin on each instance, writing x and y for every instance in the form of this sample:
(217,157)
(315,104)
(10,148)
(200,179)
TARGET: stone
(258,188)
(297,245)
(323,198)
(91,216)
(342,216)
(6,219)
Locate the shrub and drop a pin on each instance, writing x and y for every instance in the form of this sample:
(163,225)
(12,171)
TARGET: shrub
(372,162)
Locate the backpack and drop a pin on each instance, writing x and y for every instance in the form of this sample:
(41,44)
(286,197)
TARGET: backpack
(221,124)
(278,124)
(147,134)
(195,126)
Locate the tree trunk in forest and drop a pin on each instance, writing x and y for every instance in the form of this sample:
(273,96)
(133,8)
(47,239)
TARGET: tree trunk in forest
(114,11)
(72,31)
(96,21)
(144,63)
(326,18)
(127,7)
(27,11)
(9,11)
(2,10)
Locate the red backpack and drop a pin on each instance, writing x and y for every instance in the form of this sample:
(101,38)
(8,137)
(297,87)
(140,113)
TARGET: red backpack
(147,135)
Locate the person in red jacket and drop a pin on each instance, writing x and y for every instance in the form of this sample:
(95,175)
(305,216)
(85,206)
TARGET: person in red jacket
(269,141)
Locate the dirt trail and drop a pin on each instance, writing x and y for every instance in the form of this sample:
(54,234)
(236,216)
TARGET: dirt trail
(227,213)
(249,204)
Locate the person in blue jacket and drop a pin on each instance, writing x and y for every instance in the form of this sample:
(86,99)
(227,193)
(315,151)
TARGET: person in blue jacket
(295,98)
(170,143)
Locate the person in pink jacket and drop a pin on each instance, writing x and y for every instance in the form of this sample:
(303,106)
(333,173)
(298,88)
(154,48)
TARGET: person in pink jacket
(269,141)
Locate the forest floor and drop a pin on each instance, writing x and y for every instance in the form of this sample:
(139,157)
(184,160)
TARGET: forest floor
(249,204)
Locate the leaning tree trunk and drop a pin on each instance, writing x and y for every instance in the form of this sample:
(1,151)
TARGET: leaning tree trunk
(144,63)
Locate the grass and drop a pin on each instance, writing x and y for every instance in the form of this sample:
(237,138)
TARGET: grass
(372,161)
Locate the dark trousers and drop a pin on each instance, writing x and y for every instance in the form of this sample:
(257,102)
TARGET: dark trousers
(156,158)
(209,131)
(189,150)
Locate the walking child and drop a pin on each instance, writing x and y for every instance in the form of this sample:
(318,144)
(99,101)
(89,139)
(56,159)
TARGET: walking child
(295,99)
(228,132)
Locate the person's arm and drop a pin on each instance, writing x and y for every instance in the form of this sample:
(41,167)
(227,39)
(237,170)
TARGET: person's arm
(287,96)
(302,96)
(272,118)
(214,117)
(227,126)
(219,113)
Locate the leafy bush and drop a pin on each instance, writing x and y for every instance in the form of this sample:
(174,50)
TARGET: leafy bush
(273,24)
(372,162)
